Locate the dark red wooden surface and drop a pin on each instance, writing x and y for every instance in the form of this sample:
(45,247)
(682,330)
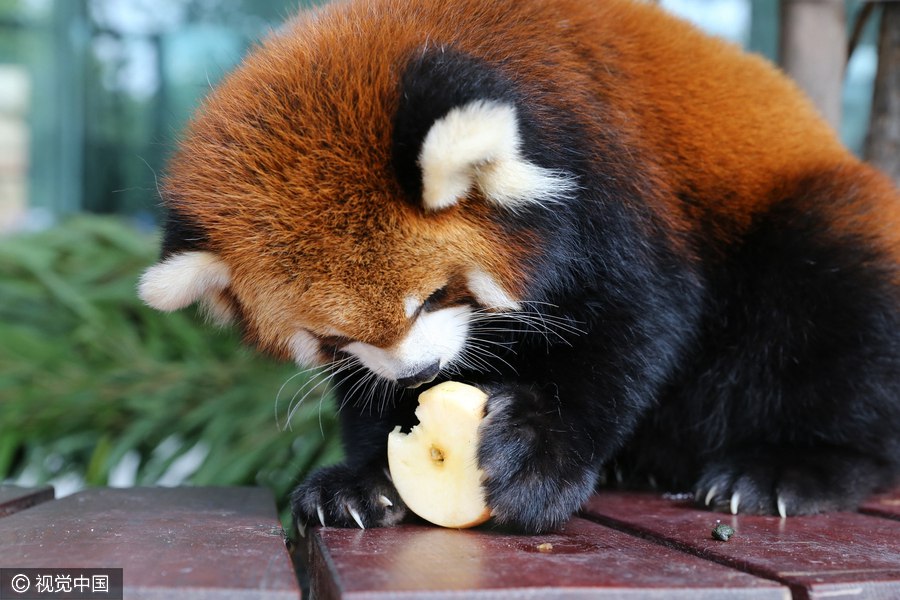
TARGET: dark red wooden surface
(586,560)
(14,498)
(209,543)
(222,543)
(824,556)
(884,505)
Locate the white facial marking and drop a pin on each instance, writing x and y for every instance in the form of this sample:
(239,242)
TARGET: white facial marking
(438,335)
(304,348)
(329,330)
(410,305)
(489,293)
(182,279)
(479,144)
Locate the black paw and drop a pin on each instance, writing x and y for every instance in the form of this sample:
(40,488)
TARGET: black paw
(788,482)
(340,496)
(537,466)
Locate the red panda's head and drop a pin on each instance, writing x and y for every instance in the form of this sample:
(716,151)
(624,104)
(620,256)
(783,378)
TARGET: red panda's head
(356,189)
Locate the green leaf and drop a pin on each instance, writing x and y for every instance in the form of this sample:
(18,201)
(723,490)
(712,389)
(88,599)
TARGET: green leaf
(89,374)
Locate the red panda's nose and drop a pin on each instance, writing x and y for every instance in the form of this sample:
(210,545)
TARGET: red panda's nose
(426,375)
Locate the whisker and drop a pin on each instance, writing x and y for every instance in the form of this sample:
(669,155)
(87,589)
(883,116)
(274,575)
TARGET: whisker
(295,404)
(387,394)
(370,391)
(537,322)
(367,392)
(321,377)
(348,363)
(317,377)
(281,389)
(357,385)
(484,352)
(472,362)
(508,345)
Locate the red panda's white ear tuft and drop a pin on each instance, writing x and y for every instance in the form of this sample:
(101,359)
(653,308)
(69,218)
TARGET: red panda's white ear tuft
(478,144)
(182,279)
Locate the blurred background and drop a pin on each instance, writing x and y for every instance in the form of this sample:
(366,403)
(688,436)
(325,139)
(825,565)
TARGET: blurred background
(95,389)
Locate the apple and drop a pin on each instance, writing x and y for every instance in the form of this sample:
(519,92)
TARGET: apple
(434,466)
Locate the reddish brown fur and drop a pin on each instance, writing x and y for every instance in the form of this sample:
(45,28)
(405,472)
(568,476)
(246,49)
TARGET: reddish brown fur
(288,164)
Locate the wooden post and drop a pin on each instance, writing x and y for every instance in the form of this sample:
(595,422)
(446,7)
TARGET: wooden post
(883,141)
(814,51)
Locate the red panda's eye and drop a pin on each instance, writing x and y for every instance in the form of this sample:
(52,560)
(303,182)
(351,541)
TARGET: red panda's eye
(435,299)
(333,342)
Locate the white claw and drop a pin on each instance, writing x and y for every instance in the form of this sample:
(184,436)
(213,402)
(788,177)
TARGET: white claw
(782,508)
(355,516)
(735,502)
(301,529)
(385,501)
(709,495)
(321,514)
(652,481)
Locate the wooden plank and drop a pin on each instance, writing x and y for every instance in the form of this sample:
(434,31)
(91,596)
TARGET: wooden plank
(584,560)
(193,543)
(14,498)
(884,505)
(821,556)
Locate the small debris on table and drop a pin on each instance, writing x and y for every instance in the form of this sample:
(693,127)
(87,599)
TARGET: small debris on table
(722,532)
(678,496)
(545,547)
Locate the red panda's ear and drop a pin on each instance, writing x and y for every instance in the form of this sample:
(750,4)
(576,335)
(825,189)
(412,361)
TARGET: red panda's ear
(461,125)
(479,145)
(184,278)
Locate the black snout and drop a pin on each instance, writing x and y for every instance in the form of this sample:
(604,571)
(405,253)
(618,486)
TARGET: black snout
(426,375)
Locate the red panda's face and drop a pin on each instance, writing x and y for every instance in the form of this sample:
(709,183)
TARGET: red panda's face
(396,289)
(335,209)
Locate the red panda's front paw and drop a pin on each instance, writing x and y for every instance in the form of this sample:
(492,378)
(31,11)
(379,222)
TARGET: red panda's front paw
(536,475)
(340,496)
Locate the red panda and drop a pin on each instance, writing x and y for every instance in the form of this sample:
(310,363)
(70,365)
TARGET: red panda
(643,243)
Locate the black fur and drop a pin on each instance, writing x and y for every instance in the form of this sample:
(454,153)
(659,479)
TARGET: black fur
(181,234)
(792,388)
(767,365)
(435,82)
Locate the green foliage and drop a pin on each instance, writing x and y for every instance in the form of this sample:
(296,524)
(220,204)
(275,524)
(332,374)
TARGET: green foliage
(89,375)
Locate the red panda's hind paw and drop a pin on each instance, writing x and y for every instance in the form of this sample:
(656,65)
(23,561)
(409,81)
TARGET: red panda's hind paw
(788,481)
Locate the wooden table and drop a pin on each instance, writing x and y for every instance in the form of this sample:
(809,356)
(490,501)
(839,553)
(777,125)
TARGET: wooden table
(624,545)
(226,543)
(195,543)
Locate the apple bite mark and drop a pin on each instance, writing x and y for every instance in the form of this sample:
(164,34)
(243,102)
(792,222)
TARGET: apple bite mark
(434,467)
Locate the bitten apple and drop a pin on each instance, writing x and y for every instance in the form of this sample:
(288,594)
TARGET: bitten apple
(434,466)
